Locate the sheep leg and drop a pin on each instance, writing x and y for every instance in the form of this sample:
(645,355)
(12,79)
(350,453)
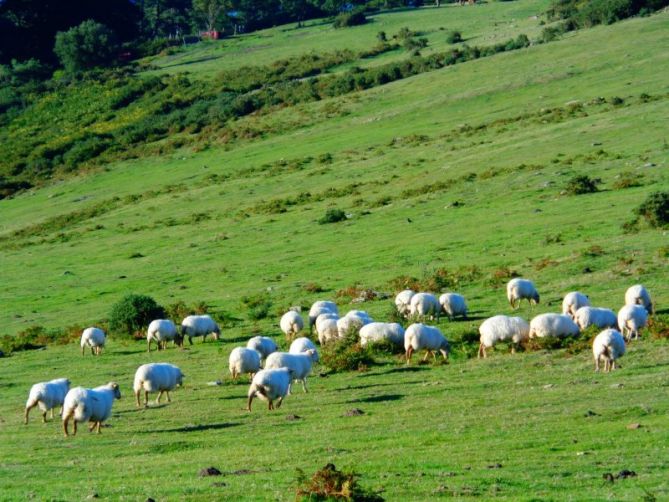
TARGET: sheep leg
(149,344)
(434,356)
(28,408)
(597,363)
(146,398)
(99,424)
(160,394)
(168,396)
(190,339)
(234,374)
(66,420)
(93,351)
(409,353)
(304,384)
(427,353)
(481,351)
(279,401)
(137,398)
(44,416)
(82,349)
(248,404)
(91,426)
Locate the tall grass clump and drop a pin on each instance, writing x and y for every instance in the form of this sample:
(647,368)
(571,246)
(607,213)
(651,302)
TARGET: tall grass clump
(346,354)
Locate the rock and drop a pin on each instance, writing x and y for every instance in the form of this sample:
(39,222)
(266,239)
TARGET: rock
(626,474)
(495,466)
(293,417)
(634,426)
(590,413)
(549,386)
(214,383)
(581,453)
(355,412)
(617,386)
(150,499)
(92,496)
(209,471)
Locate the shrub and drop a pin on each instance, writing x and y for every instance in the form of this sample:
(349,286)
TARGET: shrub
(454,37)
(332,216)
(628,179)
(312,287)
(414,44)
(330,484)
(582,184)
(86,46)
(346,354)
(502,275)
(133,313)
(655,209)
(658,327)
(258,306)
(347,19)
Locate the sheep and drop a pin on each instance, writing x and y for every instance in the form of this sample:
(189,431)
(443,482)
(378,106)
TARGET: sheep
(299,364)
(608,345)
(303,344)
(631,318)
(162,331)
(638,295)
(453,305)
(403,302)
(47,395)
(321,307)
(243,360)
(552,325)
(419,336)
(574,301)
(327,330)
(156,377)
(199,325)
(423,305)
(379,331)
(89,405)
(95,338)
(521,289)
(291,324)
(602,318)
(263,345)
(501,328)
(326,316)
(352,322)
(270,385)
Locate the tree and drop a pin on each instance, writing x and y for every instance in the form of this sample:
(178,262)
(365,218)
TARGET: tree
(86,46)
(133,313)
(211,13)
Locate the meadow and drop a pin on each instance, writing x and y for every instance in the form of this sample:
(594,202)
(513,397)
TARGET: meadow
(460,172)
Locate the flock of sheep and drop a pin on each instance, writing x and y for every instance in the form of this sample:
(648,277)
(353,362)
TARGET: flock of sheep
(273,372)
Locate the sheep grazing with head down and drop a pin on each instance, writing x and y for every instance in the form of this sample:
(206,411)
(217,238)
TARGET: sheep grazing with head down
(403,302)
(352,322)
(199,325)
(162,331)
(299,364)
(609,345)
(638,295)
(156,377)
(321,307)
(291,324)
(521,289)
(501,328)
(89,405)
(552,325)
(327,329)
(264,345)
(593,316)
(94,338)
(453,305)
(243,360)
(47,395)
(631,318)
(421,337)
(270,385)
(377,332)
(572,302)
(303,344)
(423,305)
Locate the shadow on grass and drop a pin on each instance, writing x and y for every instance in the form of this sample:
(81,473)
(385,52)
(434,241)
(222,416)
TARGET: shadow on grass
(378,399)
(369,386)
(151,406)
(198,428)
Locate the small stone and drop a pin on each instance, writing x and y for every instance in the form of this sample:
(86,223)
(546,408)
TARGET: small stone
(355,412)
(214,383)
(93,496)
(581,453)
(633,426)
(495,466)
(617,386)
(549,386)
(293,417)
(209,471)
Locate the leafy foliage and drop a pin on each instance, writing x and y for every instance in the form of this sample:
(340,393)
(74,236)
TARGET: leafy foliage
(332,215)
(582,184)
(655,209)
(88,45)
(348,19)
(330,484)
(133,313)
(346,354)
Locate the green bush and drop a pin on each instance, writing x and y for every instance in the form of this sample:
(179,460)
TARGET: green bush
(332,216)
(346,354)
(258,306)
(582,184)
(134,313)
(454,37)
(330,484)
(655,209)
(86,46)
(347,19)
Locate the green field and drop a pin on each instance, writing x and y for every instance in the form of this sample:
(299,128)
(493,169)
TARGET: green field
(462,169)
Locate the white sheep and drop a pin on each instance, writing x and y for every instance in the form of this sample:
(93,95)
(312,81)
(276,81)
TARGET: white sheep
(521,289)
(573,301)
(321,307)
(270,385)
(609,345)
(327,330)
(89,405)
(299,364)
(593,316)
(638,295)
(326,316)
(264,345)
(47,395)
(376,332)
(501,328)
(631,318)
(403,302)
(303,344)
(352,322)
(199,325)
(243,360)
(421,337)
(156,377)
(162,331)
(423,305)
(453,305)
(291,324)
(94,338)
(552,325)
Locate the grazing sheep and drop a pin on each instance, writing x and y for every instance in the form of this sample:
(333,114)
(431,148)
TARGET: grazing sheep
(552,325)
(291,324)
(574,301)
(352,322)
(501,328)
(270,385)
(609,345)
(243,360)
(403,301)
(162,331)
(321,307)
(156,377)
(263,345)
(47,395)
(419,336)
(303,344)
(376,332)
(94,338)
(327,330)
(638,295)
(521,289)
(453,305)
(589,316)
(89,405)
(199,325)
(327,316)
(631,318)
(423,305)
(299,364)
